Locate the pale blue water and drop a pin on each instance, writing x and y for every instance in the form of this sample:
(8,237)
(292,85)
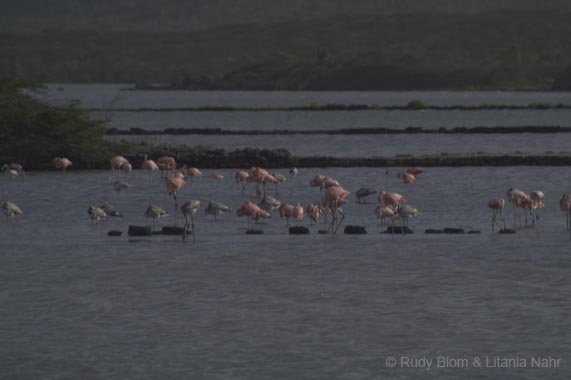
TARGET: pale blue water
(79,304)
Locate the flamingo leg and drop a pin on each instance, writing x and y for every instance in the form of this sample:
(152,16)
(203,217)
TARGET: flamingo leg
(192,222)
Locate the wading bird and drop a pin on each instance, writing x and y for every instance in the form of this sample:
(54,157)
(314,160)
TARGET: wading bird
(363,193)
(216,176)
(407,177)
(111,210)
(216,208)
(518,199)
(536,202)
(188,210)
(415,171)
(117,163)
(241,177)
(314,211)
(280,178)
(96,214)
(404,213)
(166,164)
(121,186)
(61,163)
(293,171)
(174,184)
(386,212)
(565,205)
(10,209)
(333,199)
(269,203)
(497,205)
(149,165)
(251,210)
(155,212)
(286,211)
(13,170)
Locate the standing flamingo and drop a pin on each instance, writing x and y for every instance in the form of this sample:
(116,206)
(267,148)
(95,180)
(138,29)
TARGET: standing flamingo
(390,199)
(117,163)
(155,212)
(313,211)
(298,212)
(386,212)
(269,203)
(405,212)
(497,206)
(363,193)
(216,208)
(242,178)
(252,210)
(286,211)
(149,165)
(280,178)
(188,210)
(96,214)
(216,176)
(407,177)
(166,164)
(174,184)
(61,163)
(536,202)
(518,199)
(334,198)
(565,205)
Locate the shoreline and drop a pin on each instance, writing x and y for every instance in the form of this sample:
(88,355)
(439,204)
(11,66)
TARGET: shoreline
(207,158)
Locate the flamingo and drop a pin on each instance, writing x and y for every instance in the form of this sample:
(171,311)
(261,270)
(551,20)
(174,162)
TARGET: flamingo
(334,197)
(565,205)
(317,181)
(174,184)
(313,211)
(407,177)
(188,210)
(96,214)
(242,178)
(117,163)
(166,164)
(286,211)
(390,199)
(536,202)
(216,208)
(13,170)
(261,177)
(293,171)
(61,163)
(518,199)
(149,165)
(364,192)
(111,210)
(216,176)
(298,212)
(280,178)
(497,205)
(405,212)
(415,171)
(10,209)
(269,203)
(192,172)
(250,209)
(155,212)
(386,212)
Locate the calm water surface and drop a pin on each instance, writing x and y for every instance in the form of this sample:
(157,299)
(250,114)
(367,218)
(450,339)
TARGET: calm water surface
(79,304)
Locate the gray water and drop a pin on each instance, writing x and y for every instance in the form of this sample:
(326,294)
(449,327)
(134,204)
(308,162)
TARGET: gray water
(79,304)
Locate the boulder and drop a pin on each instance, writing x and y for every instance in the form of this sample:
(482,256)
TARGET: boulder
(355,230)
(299,230)
(139,231)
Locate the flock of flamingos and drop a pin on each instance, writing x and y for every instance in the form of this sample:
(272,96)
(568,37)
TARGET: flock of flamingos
(392,207)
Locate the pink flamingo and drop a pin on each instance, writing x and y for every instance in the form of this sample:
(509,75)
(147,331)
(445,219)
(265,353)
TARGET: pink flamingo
(286,211)
(565,205)
(497,206)
(390,199)
(174,184)
(242,178)
(518,199)
(194,172)
(298,212)
(166,164)
(386,212)
(62,163)
(415,171)
(117,163)
(408,177)
(334,198)
(313,211)
(216,176)
(536,202)
(149,165)
(250,209)
(261,177)
(317,181)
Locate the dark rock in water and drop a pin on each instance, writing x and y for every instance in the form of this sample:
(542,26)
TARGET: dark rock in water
(433,231)
(474,232)
(507,231)
(453,231)
(171,230)
(398,230)
(355,230)
(139,231)
(254,232)
(323,232)
(114,233)
(299,230)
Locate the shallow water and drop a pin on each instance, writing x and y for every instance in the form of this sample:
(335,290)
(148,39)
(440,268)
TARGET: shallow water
(79,304)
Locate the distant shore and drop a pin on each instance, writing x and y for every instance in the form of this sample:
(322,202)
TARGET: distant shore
(209,158)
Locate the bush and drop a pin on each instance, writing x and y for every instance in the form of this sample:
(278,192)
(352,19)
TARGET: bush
(417,105)
(33,132)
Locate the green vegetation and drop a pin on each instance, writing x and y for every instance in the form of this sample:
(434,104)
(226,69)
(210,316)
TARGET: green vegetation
(502,50)
(34,132)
